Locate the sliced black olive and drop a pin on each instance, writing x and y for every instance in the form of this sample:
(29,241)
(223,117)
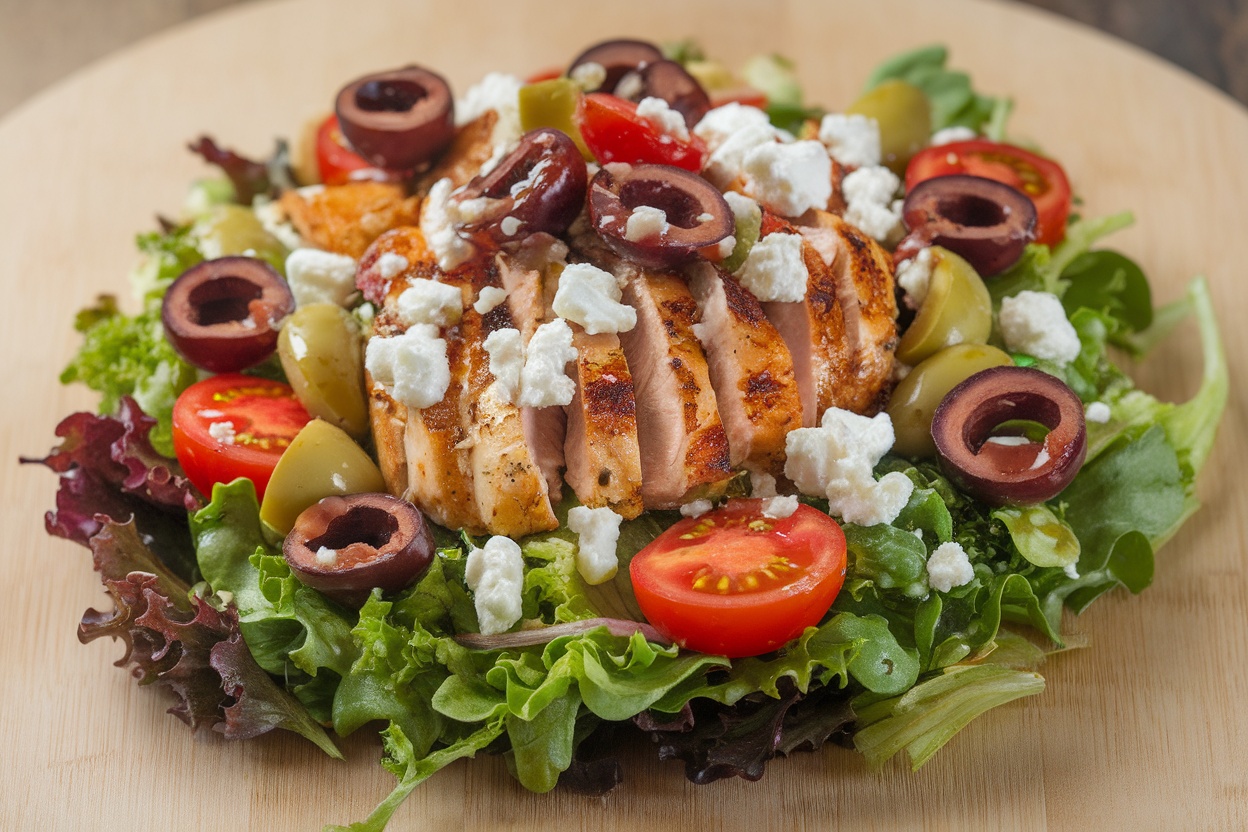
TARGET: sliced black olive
(669,81)
(1018,471)
(398,119)
(223,314)
(539,186)
(987,222)
(696,214)
(618,58)
(344,547)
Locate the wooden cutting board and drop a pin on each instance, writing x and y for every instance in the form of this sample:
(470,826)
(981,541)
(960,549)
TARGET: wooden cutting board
(1144,729)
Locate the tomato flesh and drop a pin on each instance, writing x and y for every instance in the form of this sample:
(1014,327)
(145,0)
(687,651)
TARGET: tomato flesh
(1041,179)
(265,416)
(615,133)
(334,159)
(735,583)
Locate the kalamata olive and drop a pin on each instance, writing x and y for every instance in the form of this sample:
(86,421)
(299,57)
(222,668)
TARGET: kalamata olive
(917,396)
(695,214)
(397,119)
(957,310)
(321,461)
(539,186)
(1010,470)
(222,315)
(669,81)
(617,58)
(344,547)
(987,222)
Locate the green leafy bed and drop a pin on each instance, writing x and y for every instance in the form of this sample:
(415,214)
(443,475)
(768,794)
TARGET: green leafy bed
(893,667)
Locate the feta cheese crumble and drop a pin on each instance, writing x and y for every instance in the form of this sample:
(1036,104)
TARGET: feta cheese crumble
(762,484)
(490,297)
(439,216)
(949,567)
(852,140)
(914,276)
(390,265)
(870,203)
(789,178)
(412,368)
(500,92)
(775,270)
(223,432)
(430,302)
(326,556)
(495,574)
(696,508)
(1035,323)
(667,121)
(506,350)
(949,135)
(645,223)
(589,76)
(597,531)
(590,297)
(543,381)
(317,276)
(780,507)
(1097,412)
(835,460)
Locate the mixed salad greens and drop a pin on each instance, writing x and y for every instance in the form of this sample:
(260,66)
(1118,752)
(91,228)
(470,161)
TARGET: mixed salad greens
(210,610)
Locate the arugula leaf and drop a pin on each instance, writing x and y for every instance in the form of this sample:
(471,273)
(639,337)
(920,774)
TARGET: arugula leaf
(954,102)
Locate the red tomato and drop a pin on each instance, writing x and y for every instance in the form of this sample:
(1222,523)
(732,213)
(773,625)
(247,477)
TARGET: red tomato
(265,416)
(1041,179)
(615,133)
(748,96)
(547,74)
(735,583)
(334,159)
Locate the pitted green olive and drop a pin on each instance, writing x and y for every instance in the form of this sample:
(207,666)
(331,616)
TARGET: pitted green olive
(905,118)
(957,310)
(322,353)
(919,394)
(321,461)
(234,229)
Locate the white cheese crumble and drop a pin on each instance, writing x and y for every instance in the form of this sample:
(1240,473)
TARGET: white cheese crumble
(949,135)
(490,297)
(430,302)
(1097,412)
(390,265)
(835,460)
(439,216)
(495,574)
(509,226)
(1035,323)
(645,223)
(780,506)
(789,178)
(948,567)
(223,432)
(317,276)
(497,91)
(775,270)
(590,297)
(870,203)
(719,124)
(852,140)
(726,247)
(412,368)
(589,76)
(762,484)
(506,349)
(726,162)
(667,121)
(914,276)
(543,381)
(326,556)
(597,531)
(696,508)
(275,221)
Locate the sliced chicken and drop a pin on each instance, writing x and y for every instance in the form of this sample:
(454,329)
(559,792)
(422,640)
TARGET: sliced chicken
(750,368)
(346,219)
(864,278)
(471,148)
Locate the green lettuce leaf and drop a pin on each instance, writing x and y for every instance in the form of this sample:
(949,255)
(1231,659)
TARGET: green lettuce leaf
(954,102)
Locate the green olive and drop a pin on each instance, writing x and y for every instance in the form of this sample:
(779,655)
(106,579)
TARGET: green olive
(234,229)
(957,310)
(919,393)
(322,353)
(553,103)
(905,118)
(321,461)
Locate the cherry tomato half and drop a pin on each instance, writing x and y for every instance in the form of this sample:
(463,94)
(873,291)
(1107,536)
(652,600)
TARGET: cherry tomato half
(334,159)
(735,583)
(1043,180)
(615,133)
(262,417)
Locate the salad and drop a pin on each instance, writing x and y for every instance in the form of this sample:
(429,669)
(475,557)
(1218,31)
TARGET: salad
(928,456)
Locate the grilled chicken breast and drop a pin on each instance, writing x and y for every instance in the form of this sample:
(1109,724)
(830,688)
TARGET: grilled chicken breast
(750,368)
(346,219)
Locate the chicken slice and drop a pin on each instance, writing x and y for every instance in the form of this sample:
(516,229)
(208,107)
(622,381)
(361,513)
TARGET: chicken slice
(864,278)
(346,219)
(750,368)
(471,148)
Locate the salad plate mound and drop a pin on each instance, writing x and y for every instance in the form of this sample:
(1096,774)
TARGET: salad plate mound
(791,762)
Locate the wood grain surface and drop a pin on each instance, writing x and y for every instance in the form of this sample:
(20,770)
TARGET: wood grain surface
(1143,729)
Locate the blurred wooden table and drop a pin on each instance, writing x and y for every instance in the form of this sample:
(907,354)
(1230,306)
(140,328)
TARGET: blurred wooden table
(42,42)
